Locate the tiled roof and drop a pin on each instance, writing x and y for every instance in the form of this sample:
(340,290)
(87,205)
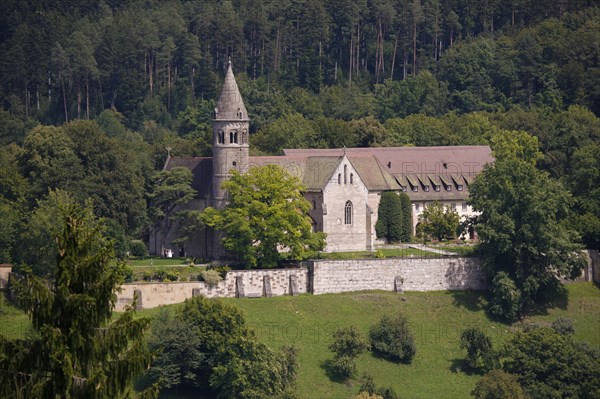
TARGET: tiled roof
(386,168)
(201,170)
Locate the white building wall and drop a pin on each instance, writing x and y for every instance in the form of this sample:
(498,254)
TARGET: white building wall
(463,209)
(341,236)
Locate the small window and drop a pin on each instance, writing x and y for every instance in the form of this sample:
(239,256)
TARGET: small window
(453,206)
(345,174)
(448,188)
(459,187)
(425,188)
(415,189)
(348,213)
(233,136)
(339,178)
(351,178)
(464,207)
(314,204)
(418,207)
(220,137)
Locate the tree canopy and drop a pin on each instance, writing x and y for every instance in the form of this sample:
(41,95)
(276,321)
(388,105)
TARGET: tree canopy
(78,349)
(265,214)
(525,231)
(438,221)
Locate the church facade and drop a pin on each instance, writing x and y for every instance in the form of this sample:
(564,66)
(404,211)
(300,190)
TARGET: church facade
(344,186)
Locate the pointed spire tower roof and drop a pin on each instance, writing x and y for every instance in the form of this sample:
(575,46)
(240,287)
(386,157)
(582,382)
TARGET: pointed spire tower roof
(230,106)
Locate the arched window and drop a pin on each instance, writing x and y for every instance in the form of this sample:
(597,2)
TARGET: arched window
(233,136)
(345,174)
(348,213)
(220,137)
(339,178)
(351,178)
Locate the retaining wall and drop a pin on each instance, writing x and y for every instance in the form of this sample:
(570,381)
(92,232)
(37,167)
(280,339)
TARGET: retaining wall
(252,284)
(410,274)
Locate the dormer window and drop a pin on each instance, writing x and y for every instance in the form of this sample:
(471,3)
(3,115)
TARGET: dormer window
(459,187)
(220,137)
(415,189)
(436,188)
(448,188)
(425,188)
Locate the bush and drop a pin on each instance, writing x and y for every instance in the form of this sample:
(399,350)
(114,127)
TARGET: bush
(138,248)
(563,325)
(479,349)
(210,277)
(128,274)
(222,270)
(506,299)
(392,338)
(348,342)
(368,386)
(342,367)
(498,385)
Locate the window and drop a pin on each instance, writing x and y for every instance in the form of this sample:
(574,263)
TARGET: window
(348,213)
(453,206)
(459,187)
(345,174)
(220,137)
(314,204)
(425,188)
(351,178)
(233,136)
(464,207)
(437,188)
(415,189)
(339,178)
(418,207)
(448,188)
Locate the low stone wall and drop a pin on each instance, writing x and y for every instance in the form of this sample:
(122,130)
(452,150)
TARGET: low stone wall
(5,270)
(241,283)
(409,274)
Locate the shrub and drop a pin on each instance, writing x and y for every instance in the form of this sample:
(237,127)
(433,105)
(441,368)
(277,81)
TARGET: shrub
(479,349)
(210,277)
(222,270)
(348,342)
(498,385)
(392,338)
(368,386)
(147,276)
(128,274)
(563,325)
(366,395)
(165,275)
(138,248)
(342,367)
(506,299)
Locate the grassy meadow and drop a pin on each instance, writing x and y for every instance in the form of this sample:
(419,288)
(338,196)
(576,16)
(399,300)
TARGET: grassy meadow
(436,318)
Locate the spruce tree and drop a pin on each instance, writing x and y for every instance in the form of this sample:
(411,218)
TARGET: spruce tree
(77,350)
(406,217)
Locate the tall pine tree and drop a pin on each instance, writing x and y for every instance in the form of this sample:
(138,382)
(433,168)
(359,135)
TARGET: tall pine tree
(78,350)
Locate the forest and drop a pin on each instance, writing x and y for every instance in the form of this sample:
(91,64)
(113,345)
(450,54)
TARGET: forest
(93,92)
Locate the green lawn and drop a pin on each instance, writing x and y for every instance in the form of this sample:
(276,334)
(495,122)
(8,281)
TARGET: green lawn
(437,319)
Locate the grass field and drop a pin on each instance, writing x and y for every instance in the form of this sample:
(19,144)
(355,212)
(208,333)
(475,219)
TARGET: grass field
(436,318)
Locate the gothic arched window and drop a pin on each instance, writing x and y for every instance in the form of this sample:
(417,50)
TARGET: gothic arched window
(348,213)
(233,136)
(220,137)
(351,178)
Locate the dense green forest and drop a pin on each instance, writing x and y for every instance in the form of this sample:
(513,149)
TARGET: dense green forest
(92,92)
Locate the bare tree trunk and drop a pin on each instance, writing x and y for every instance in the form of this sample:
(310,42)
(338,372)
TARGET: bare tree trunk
(394,56)
(87,98)
(414,48)
(79,98)
(65,101)
(193,91)
(351,64)
(169,87)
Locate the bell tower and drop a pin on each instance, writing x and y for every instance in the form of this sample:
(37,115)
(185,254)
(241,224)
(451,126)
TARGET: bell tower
(230,126)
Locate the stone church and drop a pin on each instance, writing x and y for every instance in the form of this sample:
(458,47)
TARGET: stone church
(344,186)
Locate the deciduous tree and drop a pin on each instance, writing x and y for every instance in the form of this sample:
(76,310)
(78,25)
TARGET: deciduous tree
(266,213)
(438,221)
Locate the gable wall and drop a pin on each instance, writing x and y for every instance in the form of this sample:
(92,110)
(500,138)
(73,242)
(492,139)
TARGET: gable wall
(342,237)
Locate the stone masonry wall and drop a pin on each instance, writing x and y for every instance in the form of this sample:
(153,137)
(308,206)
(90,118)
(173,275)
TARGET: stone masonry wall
(415,274)
(157,294)
(5,270)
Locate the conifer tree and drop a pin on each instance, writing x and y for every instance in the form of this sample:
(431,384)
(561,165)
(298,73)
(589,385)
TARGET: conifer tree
(77,350)
(390,220)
